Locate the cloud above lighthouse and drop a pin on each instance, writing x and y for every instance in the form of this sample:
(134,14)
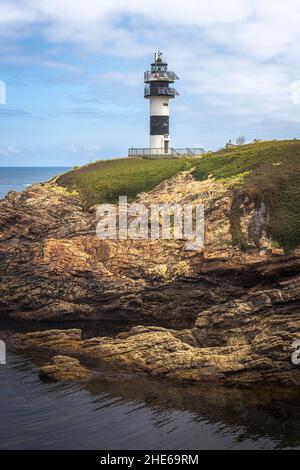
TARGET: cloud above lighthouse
(238,61)
(260,29)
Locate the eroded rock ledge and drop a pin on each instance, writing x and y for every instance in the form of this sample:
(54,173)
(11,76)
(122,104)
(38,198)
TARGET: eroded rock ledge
(64,368)
(245,342)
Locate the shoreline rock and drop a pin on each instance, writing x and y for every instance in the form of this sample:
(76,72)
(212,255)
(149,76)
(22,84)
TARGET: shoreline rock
(246,341)
(64,368)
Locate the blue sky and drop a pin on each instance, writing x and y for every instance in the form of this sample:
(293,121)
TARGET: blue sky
(73,70)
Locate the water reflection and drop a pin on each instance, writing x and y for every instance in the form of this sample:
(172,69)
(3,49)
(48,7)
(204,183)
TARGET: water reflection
(242,414)
(118,410)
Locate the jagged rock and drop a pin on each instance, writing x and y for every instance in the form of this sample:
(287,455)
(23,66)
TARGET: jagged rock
(54,267)
(244,341)
(64,368)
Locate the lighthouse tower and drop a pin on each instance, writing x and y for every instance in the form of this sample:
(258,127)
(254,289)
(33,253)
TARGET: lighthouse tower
(159,94)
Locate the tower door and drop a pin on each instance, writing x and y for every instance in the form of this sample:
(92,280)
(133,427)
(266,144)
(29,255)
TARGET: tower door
(166,147)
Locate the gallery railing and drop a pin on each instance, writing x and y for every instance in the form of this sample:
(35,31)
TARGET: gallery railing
(160,91)
(163,75)
(161,153)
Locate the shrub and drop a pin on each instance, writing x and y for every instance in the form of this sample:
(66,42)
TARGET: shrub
(271,172)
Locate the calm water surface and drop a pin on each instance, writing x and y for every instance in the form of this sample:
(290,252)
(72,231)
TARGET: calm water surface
(19,178)
(118,410)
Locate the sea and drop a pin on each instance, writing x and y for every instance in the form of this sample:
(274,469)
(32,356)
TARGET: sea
(18,178)
(123,410)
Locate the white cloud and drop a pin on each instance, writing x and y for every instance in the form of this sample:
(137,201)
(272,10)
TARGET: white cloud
(262,28)
(90,150)
(14,13)
(240,56)
(9,151)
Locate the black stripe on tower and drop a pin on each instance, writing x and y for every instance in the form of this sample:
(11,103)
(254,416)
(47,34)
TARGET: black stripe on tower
(159,125)
(154,86)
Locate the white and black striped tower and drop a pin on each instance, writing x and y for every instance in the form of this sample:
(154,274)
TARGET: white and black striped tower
(159,92)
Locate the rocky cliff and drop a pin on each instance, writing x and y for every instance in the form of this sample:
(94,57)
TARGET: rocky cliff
(228,313)
(54,267)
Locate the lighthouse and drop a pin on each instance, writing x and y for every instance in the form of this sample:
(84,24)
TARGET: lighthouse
(159,93)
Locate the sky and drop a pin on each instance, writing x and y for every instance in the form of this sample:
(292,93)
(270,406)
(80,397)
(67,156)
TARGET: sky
(73,73)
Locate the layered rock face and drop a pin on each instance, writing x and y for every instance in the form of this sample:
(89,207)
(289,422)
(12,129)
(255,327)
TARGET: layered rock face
(243,343)
(54,267)
(232,314)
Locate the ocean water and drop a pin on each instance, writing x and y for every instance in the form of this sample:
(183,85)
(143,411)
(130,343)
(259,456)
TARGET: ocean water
(18,178)
(123,410)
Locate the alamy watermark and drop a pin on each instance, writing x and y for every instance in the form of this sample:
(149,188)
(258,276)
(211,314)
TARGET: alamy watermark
(2,353)
(296,353)
(2,92)
(138,221)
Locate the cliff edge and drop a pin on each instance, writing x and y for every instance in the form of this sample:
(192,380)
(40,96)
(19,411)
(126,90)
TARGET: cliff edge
(229,312)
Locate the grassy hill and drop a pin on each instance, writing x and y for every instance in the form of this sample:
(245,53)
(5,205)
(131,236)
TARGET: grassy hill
(268,171)
(105,181)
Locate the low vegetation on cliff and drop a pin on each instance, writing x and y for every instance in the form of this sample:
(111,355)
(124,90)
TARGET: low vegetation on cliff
(105,181)
(268,172)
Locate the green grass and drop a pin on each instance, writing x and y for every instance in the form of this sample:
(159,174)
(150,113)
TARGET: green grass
(105,181)
(266,171)
(271,174)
